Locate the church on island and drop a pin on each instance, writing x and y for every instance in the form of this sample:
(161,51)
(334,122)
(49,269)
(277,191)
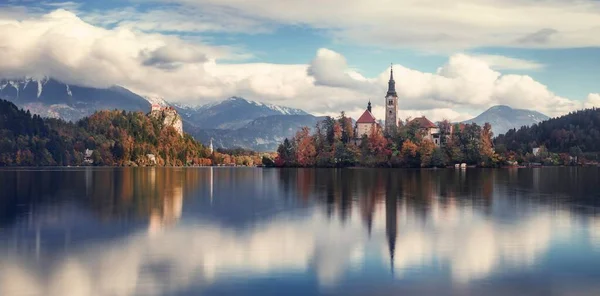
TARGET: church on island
(367,123)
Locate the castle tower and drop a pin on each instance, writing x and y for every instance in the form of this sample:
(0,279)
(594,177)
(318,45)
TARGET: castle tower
(156,107)
(391,104)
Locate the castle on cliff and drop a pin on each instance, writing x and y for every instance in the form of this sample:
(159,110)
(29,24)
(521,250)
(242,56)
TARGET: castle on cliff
(169,115)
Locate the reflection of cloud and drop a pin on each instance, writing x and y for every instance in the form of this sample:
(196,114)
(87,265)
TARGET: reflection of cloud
(472,246)
(594,231)
(16,279)
(189,255)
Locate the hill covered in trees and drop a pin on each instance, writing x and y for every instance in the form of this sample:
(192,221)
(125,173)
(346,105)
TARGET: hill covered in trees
(575,134)
(115,137)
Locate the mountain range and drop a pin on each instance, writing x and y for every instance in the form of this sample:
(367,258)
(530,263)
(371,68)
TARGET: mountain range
(232,113)
(237,122)
(234,122)
(503,118)
(51,98)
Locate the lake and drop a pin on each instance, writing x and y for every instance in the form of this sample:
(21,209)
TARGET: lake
(252,231)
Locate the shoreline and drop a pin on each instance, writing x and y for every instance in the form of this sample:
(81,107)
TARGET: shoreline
(292,167)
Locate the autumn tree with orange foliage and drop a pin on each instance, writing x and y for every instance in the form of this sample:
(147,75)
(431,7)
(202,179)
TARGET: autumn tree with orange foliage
(408,154)
(425,150)
(305,148)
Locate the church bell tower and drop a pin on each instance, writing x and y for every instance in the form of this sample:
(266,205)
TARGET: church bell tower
(391,104)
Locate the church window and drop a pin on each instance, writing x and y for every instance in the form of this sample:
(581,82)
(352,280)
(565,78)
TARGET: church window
(390,102)
(390,112)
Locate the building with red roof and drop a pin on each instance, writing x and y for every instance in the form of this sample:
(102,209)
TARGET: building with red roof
(430,130)
(366,123)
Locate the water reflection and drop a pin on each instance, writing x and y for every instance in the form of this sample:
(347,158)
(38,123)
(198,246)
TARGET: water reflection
(189,231)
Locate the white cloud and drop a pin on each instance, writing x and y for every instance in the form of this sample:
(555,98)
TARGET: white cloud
(429,25)
(330,68)
(593,100)
(463,85)
(509,63)
(61,45)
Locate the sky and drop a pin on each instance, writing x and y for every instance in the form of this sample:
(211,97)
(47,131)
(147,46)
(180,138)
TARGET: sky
(452,59)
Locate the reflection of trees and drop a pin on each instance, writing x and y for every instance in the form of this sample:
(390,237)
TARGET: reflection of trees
(130,193)
(418,190)
(342,189)
(22,188)
(140,193)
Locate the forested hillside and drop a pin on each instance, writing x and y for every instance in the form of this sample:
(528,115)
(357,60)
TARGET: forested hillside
(572,133)
(116,138)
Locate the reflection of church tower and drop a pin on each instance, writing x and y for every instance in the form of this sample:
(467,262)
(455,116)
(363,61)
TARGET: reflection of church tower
(370,222)
(391,104)
(391,219)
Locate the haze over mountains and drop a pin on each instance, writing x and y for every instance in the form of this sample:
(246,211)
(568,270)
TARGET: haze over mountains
(234,122)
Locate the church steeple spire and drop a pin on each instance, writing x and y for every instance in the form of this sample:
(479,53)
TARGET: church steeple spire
(369,106)
(392,84)
(391,104)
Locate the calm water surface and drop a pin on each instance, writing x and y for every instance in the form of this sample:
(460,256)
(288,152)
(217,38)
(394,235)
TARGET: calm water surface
(246,231)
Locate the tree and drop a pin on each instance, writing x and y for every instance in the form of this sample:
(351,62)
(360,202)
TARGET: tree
(438,158)
(445,132)
(97,158)
(267,161)
(486,146)
(329,127)
(408,154)
(285,154)
(377,151)
(346,127)
(425,150)
(576,153)
(469,142)
(305,148)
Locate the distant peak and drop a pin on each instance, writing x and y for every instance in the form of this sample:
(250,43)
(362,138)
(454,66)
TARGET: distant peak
(234,98)
(500,107)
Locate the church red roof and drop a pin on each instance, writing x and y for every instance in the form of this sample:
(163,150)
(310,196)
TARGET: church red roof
(423,122)
(366,117)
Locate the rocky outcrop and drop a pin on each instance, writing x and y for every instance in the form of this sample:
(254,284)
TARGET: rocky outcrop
(169,117)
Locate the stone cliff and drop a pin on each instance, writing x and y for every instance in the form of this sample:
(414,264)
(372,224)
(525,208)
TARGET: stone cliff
(169,117)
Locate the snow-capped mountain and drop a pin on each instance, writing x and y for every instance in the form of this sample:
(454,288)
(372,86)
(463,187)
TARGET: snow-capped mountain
(502,118)
(232,113)
(156,100)
(51,98)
